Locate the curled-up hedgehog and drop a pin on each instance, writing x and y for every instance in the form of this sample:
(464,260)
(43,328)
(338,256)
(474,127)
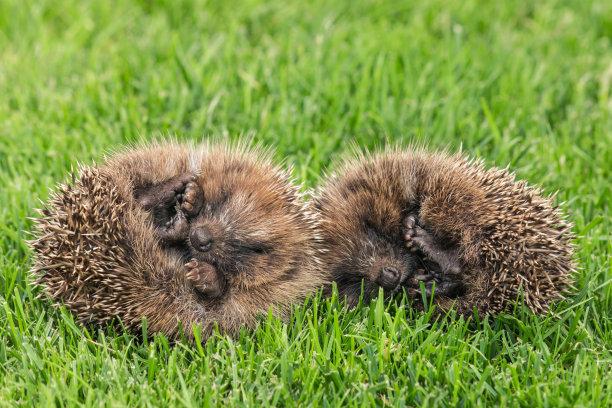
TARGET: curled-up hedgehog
(474,238)
(179,235)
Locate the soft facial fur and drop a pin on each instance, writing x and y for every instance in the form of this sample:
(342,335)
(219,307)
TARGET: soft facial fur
(104,251)
(473,237)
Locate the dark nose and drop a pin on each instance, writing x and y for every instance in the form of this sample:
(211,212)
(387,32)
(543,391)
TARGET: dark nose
(389,277)
(201,238)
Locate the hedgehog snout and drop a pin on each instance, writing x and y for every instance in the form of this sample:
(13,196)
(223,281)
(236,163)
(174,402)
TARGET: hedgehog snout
(388,274)
(201,238)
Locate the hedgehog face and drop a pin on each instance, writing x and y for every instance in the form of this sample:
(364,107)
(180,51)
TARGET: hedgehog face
(363,244)
(240,221)
(249,226)
(235,237)
(372,264)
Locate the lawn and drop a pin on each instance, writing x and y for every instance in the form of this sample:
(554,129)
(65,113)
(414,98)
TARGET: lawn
(518,83)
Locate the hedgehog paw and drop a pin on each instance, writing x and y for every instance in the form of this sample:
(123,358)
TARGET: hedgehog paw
(162,195)
(191,199)
(175,229)
(446,287)
(436,285)
(410,232)
(418,239)
(204,278)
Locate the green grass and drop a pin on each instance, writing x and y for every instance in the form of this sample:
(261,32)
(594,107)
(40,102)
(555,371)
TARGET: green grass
(519,83)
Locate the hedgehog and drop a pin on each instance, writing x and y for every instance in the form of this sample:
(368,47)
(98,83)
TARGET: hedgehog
(211,235)
(442,226)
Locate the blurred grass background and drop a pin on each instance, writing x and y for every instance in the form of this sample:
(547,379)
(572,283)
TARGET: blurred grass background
(524,84)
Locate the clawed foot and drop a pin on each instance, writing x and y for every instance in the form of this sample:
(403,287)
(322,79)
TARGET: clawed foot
(419,240)
(436,284)
(163,195)
(204,277)
(191,198)
(442,266)
(172,203)
(175,229)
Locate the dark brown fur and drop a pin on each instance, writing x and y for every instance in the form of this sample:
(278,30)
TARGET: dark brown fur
(102,250)
(478,234)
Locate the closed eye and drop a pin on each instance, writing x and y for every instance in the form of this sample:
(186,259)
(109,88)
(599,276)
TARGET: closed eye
(387,234)
(254,247)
